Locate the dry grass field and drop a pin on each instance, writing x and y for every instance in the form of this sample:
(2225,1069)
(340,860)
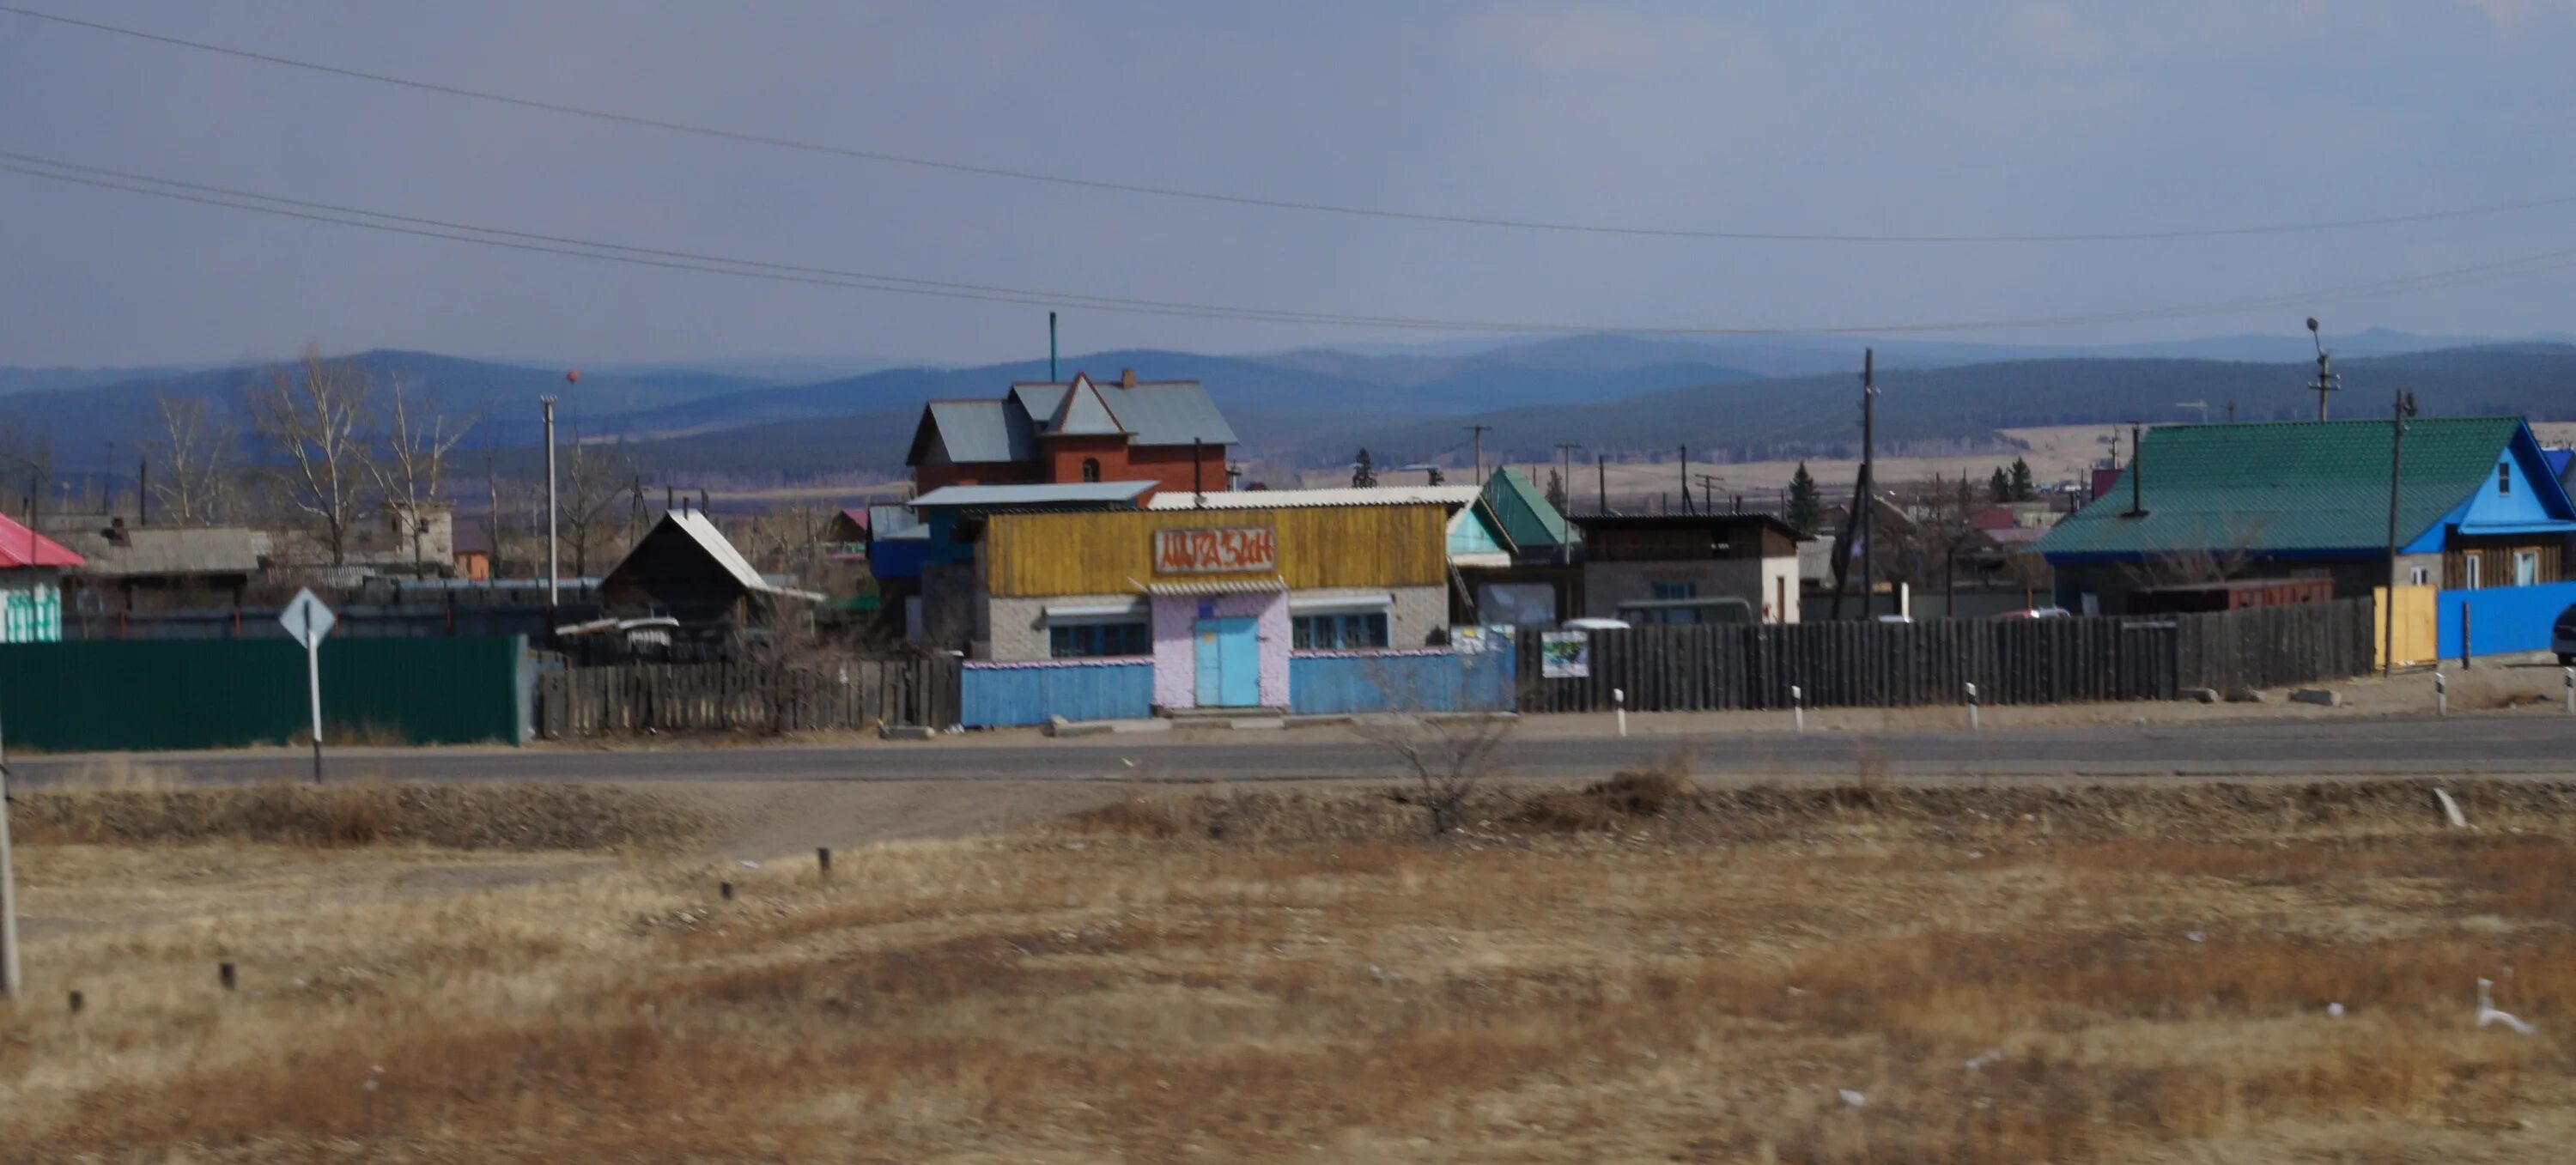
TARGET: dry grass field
(1640,972)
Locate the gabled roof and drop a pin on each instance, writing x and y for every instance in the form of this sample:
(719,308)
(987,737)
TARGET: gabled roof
(1714,523)
(2310,486)
(1083,414)
(972,432)
(1525,511)
(1081,493)
(21,548)
(1156,412)
(700,529)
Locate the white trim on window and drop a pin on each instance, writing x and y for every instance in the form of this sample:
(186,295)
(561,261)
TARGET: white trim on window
(1098,613)
(2470,572)
(1323,604)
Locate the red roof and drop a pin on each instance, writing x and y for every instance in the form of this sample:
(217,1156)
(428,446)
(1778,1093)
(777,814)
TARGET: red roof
(1997,518)
(21,548)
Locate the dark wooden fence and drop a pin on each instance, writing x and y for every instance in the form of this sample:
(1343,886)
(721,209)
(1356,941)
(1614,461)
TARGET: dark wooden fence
(857,694)
(2012,661)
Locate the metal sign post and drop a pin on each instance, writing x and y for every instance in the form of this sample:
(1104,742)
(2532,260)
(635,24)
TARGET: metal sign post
(307,620)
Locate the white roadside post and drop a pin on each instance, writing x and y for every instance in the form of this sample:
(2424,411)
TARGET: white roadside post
(1619,703)
(1972,708)
(2571,689)
(1798,706)
(307,620)
(2441,695)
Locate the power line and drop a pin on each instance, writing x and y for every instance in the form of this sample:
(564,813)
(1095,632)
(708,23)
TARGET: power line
(235,199)
(748,137)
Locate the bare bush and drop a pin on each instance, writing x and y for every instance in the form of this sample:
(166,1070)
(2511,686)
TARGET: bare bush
(1447,756)
(314,424)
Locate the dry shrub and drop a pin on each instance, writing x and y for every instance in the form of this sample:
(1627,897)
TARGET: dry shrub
(452,816)
(1618,803)
(1128,817)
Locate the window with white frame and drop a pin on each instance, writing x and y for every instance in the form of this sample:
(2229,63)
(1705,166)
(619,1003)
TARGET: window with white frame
(2526,568)
(2418,576)
(1096,632)
(1339,623)
(2469,564)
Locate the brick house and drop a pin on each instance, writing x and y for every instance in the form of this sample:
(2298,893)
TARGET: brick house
(1164,431)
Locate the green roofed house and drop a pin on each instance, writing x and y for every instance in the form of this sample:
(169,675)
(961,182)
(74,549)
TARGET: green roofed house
(2477,508)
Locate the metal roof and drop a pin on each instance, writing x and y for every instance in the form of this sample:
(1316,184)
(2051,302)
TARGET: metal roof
(1156,412)
(1298,499)
(702,530)
(975,432)
(1526,514)
(2301,486)
(1066,493)
(1083,414)
(1230,586)
(21,548)
(1727,521)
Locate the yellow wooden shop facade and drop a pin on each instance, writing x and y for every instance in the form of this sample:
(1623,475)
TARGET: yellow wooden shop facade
(1311,547)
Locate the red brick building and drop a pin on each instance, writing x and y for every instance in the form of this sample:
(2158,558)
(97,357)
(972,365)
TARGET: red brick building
(1164,431)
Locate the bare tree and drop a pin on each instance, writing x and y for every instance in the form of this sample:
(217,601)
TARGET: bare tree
(414,468)
(595,478)
(314,423)
(1447,757)
(195,484)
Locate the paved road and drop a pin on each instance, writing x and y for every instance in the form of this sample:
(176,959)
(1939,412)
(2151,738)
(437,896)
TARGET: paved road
(2503,745)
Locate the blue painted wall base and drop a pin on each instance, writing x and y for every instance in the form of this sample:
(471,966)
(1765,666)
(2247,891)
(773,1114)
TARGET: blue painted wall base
(2502,620)
(1001,695)
(1346,683)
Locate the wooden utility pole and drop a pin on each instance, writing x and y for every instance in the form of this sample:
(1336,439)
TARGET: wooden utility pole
(1686,502)
(2396,467)
(1708,491)
(554,564)
(1858,524)
(1601,466)
(1477,434)
(2325,370)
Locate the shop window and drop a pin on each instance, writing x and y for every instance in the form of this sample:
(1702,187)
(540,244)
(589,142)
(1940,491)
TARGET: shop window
(1090,469)
(2526,568)
(1676,590)
(1097,640)
(1337,632)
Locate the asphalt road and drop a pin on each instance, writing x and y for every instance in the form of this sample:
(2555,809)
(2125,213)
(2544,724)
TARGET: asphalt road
(2496,745)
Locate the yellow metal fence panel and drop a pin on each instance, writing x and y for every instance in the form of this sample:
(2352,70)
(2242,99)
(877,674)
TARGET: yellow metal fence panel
(2418,623)
(1112,552)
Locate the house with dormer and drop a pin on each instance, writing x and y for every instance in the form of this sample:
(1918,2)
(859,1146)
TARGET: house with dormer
(1166,432)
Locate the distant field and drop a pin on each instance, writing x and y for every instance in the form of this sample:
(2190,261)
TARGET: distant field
(2061,453)
(1640,973)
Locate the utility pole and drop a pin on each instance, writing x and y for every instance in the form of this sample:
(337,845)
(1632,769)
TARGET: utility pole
(1858,524)
(1708,491)
(2325,370)
(2396,466)
(554,572)
(1601,466)
(1477,434)
(13,982)
(1050,347)
(1686,502)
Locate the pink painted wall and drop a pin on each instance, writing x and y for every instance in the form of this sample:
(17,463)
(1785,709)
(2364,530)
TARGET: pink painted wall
(1176,671)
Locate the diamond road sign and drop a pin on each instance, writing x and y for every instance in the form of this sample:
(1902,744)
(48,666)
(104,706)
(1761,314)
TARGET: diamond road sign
(307,620)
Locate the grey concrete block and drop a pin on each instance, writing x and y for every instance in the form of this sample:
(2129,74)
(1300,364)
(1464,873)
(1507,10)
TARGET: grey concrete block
(2244,696)
(2323,697)
(907,732)
(2201,695)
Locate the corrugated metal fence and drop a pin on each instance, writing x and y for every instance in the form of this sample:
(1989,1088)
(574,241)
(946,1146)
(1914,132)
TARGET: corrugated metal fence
(737,697)
(1343,683)
(1000,695)
(2012,661)
(164,694)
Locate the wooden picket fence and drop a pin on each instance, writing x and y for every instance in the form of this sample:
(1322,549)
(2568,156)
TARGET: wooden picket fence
(857,694)
(2011,661)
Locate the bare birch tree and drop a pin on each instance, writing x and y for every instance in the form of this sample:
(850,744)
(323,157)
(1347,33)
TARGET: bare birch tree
(195,451)
(595,478)
(414,468)
(314,423)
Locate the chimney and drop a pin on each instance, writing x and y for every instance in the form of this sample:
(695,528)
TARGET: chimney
(1126,378)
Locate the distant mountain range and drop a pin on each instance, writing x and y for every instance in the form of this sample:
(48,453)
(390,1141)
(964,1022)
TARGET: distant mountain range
(751,420)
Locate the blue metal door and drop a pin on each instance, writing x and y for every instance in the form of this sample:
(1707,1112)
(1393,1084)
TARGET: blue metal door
(1229,663)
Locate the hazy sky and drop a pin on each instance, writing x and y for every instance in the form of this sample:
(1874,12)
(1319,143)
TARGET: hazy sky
(1959,117)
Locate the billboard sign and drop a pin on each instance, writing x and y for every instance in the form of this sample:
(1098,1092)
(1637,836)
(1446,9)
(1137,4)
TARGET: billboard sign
(1236,550)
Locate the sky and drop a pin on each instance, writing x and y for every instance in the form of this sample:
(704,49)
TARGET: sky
(1965,117)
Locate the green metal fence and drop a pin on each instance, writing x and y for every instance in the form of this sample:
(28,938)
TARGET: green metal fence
(139,695)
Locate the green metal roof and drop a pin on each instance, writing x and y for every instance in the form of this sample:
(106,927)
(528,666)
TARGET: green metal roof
(2285,488)
(1532,523)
